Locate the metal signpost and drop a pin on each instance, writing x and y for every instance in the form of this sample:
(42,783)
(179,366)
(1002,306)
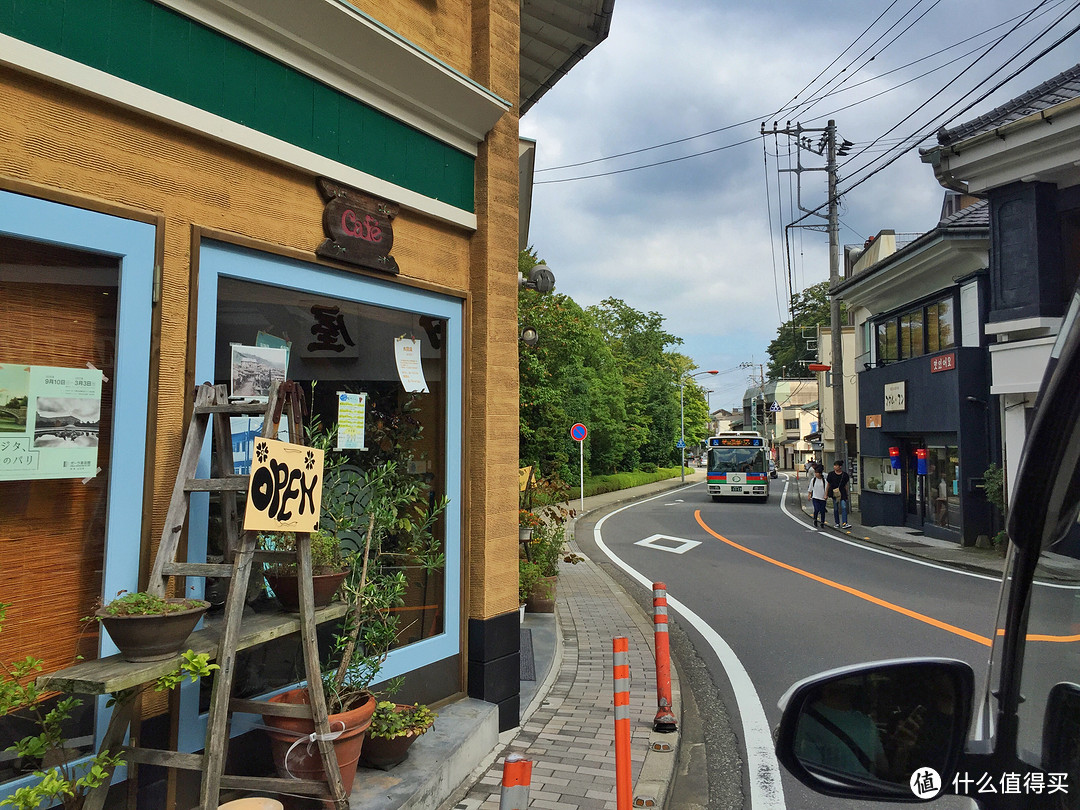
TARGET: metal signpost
(578,433)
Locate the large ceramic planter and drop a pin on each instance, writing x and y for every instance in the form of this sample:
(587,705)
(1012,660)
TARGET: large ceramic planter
(303,761)
(542,599)
(286,588)
(153,637)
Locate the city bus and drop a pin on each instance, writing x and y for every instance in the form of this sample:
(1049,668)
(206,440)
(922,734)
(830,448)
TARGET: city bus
(738,465)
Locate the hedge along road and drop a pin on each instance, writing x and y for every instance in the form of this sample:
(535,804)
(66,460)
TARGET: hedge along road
(775,602)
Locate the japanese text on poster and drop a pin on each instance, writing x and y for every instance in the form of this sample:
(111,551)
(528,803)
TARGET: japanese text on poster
(351,415)
(49,422)
(407,354)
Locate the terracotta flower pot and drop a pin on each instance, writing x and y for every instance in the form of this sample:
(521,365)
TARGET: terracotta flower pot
(153,637)
(287,589)
(302,761)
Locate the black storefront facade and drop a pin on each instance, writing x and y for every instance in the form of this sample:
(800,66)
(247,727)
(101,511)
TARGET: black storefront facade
(934,406)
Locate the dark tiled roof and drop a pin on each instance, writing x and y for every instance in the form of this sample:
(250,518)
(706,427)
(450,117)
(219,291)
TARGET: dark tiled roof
(973,218)
(1061,88)
(976,215)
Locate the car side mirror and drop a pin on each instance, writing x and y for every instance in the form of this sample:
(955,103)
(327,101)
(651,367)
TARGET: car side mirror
(874,731)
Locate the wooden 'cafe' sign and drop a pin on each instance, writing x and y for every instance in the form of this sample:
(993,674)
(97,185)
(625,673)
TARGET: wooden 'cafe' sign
(359,228)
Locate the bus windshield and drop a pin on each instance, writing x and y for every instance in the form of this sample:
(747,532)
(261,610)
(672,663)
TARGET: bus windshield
(737,459)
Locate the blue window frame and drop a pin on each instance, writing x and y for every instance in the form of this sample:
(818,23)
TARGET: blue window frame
(132,245)
(219,265)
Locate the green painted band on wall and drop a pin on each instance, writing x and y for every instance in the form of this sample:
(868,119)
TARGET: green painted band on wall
(161,50)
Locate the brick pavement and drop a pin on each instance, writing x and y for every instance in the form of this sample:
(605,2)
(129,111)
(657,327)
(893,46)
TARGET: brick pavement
(570,737)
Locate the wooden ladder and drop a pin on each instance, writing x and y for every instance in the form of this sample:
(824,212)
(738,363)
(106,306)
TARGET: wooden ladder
(126,679)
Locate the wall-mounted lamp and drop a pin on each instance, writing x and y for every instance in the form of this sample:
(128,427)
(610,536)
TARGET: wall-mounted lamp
(540,279)
(976,401)
(529,336)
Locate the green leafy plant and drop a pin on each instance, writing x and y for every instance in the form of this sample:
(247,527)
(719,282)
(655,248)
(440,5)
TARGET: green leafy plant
(384,521)
(994,480)
(192,666)
(326,556)
(392,720)
(530,580)
(145,604)
(68,781)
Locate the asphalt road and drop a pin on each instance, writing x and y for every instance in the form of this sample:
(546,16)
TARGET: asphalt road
(762,600)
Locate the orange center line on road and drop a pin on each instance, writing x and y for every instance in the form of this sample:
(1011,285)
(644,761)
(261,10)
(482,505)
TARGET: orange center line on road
(951,628)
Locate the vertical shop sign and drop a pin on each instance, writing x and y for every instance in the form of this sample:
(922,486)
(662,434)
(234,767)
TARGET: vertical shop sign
(49,422)
(359,228)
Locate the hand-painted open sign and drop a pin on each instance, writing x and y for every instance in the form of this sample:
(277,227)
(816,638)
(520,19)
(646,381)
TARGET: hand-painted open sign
(285,493)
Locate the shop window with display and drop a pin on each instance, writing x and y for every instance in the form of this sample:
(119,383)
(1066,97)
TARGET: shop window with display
(382,384)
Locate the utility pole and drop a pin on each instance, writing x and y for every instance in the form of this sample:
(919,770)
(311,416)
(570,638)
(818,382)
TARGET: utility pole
(826,147)
(839,420)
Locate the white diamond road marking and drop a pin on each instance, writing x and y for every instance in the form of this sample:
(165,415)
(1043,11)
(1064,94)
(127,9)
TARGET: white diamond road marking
(657,541)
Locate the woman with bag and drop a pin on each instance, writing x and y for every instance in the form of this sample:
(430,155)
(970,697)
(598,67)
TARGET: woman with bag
(817,495)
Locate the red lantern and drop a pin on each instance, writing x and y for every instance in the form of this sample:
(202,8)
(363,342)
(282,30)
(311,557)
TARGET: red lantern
(920,456)
(894,457)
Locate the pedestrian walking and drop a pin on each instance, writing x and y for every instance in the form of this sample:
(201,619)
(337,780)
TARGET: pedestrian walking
(809,467)
(817,495)
(837,485)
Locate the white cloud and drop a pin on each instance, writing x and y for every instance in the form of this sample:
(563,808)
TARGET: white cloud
(691,239)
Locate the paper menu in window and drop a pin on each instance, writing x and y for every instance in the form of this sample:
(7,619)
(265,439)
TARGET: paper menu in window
(352,409)
(407,354)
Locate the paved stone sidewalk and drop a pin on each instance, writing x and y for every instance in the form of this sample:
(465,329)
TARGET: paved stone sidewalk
(570,737)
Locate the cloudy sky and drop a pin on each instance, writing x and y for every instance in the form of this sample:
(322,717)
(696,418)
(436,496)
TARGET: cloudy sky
(698,239)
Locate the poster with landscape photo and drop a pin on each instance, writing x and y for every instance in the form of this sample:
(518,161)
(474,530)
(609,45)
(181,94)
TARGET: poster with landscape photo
(253,369)
(51,431)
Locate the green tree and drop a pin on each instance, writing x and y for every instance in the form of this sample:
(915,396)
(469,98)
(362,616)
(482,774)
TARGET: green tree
(608,366)
(787,352)
(649,372)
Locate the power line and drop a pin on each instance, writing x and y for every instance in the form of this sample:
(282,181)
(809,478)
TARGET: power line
(783,109)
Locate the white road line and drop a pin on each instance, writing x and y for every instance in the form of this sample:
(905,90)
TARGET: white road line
(766,790)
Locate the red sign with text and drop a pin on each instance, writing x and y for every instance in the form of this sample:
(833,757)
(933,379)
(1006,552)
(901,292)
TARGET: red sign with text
(943,362)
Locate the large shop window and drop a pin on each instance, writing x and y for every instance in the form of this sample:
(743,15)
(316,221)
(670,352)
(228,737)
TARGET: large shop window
(922,330)
(339,334)
(75,298)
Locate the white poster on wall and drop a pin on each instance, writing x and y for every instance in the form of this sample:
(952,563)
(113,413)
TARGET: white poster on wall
(407,354)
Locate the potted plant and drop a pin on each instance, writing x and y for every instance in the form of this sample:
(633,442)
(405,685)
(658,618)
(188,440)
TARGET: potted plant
(150,628)
(394,728)
(327,565)
(527,522)
(62,775)
(548,550)
(529,579)
(381,506)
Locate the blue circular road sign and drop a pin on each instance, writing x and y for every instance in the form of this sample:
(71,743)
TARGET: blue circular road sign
(579,432)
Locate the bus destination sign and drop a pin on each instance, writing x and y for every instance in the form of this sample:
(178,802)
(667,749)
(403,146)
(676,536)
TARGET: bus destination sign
(736,441)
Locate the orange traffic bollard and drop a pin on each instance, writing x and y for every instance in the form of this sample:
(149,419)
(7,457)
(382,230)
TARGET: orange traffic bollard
(624,787)
(665,718)
(517,774)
